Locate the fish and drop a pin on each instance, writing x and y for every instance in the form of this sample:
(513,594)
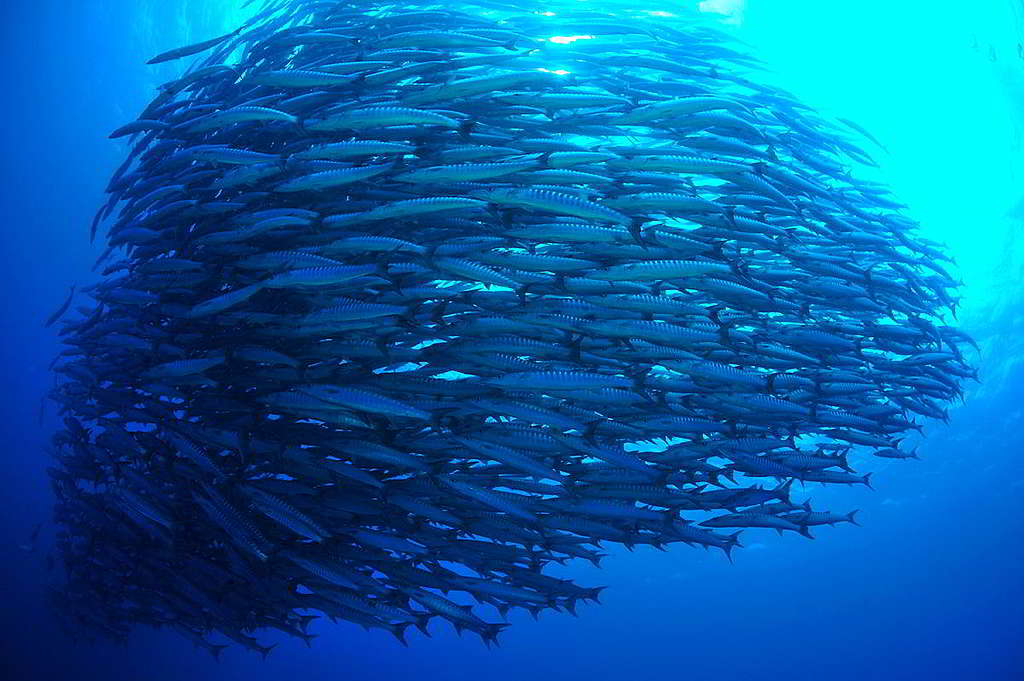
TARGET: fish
(189,50)
(394,315)
(59,312)
(30,545)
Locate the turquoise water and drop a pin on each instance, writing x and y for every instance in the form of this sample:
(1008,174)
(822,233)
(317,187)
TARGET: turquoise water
(929,587)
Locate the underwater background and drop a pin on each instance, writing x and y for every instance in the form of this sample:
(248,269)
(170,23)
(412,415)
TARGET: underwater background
(929,588)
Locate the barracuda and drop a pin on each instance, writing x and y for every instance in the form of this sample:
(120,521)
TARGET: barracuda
(391,296)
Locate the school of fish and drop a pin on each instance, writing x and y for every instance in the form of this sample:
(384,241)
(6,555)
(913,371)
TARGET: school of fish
(403,303)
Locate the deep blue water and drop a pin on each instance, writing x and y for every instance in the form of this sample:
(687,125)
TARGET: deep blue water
(931,587)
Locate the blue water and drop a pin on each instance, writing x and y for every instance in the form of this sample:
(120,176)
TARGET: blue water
(931,587)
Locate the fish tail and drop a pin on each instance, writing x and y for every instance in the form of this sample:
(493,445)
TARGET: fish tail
(466,127)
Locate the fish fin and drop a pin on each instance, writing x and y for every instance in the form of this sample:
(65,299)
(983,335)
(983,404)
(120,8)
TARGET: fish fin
(490,633)
(851,517)
(636,231)
(784,489)
(844,462)
(521,292)
(398,631)
(731,543)
(589,431)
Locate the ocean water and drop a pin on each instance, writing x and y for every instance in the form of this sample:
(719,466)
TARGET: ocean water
(930,587)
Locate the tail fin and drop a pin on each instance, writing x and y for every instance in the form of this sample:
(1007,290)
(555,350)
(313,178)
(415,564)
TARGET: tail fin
(398,630)
(466,127)
(593,594)
(421,623)
(733,542)
(636,231)
(782,491)
(844,462)
(490,633)
(851,517)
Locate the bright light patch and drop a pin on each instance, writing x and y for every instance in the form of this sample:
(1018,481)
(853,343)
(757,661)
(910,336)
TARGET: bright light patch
(557,72)
(566,39)
(731,9)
